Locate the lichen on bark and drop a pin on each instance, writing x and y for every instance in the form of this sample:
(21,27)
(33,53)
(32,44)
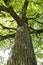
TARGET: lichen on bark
(22,50)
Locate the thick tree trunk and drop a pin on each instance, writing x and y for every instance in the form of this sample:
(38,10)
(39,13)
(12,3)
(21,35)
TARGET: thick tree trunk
(22,50)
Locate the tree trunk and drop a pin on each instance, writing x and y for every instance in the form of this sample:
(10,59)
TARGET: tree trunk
(22,50)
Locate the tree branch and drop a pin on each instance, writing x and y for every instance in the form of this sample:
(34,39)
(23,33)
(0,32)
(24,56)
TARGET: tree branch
(36,31)
(24,8)
(39,3)
(23,12)
(35,20)
(4,27)
(11,11)
(35,16)
(7,36)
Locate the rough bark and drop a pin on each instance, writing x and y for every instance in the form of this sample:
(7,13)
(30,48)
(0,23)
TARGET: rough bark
(22,50)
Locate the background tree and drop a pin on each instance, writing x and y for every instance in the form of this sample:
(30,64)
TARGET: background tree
(20,19)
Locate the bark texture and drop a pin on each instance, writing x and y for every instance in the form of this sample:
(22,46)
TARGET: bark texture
(22,50)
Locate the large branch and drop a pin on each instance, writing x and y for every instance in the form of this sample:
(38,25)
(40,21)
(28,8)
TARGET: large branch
(11,11)
(7,36)
(23,12)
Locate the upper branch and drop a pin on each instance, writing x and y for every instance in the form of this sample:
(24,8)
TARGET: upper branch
(11,11)
(23,12)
